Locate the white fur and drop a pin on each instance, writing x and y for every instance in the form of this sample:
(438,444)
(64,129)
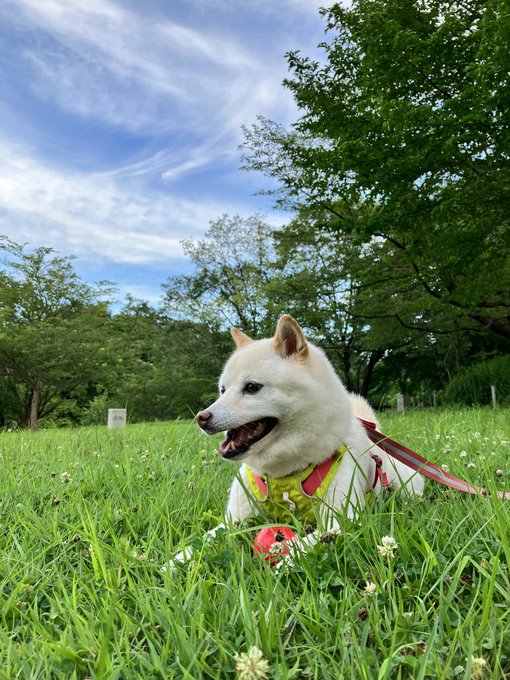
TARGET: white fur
(315,416)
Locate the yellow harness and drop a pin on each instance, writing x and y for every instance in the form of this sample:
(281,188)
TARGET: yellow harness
(284,498)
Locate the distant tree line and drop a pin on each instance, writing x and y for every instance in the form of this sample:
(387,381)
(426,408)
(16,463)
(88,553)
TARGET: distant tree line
(247,274)
(395,258)
(65,357)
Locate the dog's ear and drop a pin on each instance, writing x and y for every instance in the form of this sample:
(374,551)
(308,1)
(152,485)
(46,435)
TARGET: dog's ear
(239,337)
(289,339)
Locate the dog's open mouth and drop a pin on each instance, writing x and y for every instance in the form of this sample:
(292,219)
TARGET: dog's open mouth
(240,439)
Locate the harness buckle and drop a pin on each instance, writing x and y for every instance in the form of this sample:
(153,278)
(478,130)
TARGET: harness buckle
(379,474)
(289,501)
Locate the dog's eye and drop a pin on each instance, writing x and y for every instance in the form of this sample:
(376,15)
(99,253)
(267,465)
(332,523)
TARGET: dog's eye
(222,389)
(252,388)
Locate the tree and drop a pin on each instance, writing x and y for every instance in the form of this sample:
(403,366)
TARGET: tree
(54,331)
(173,365)
(404,138)
(233,266)
(319,277)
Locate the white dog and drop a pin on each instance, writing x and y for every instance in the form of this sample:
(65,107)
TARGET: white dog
(290,421)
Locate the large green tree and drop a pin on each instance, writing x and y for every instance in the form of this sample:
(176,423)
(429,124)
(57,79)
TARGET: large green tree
(319,278)
(54,331)
(404,137)
(233,264)
(173,364)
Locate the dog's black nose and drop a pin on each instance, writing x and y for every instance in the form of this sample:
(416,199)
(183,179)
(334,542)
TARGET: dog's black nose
(203,418)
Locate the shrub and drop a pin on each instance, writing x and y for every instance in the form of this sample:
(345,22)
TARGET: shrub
(473,385)
(97,410)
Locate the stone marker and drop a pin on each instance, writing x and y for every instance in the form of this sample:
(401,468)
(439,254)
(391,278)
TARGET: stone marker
(116,417)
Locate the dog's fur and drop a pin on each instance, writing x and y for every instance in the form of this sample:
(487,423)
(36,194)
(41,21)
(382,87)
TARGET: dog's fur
(286,390)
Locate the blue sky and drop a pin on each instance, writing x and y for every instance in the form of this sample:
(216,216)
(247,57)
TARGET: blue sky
(120,122)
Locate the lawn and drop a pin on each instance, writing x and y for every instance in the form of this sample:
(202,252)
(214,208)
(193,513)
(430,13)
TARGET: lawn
(89,516)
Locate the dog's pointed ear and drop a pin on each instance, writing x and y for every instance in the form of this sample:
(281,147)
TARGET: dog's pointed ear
(239,337)
(289,340)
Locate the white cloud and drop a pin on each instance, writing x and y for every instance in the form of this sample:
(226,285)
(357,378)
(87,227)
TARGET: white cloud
(100,60)
(97,216)
(182,86)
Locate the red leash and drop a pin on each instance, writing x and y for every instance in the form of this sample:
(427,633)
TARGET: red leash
(422,465)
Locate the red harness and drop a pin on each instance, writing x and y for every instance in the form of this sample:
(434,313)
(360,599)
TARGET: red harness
(319,473)
(380,475)
(308,485)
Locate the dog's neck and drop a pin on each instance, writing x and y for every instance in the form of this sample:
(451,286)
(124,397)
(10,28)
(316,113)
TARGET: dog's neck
(285,468)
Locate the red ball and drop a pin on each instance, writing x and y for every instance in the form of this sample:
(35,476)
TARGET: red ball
(274,543)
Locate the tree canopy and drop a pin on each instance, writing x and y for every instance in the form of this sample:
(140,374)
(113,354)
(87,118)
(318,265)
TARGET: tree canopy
(52,340)
(404,138)
(396,258)
(65,358)
(233,264)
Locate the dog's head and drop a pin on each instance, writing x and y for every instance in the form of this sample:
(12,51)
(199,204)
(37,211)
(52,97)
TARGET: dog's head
(266,389)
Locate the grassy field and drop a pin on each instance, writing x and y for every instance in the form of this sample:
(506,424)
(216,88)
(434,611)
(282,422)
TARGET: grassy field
(89,516)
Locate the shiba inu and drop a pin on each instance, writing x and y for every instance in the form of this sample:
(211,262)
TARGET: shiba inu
(288,419)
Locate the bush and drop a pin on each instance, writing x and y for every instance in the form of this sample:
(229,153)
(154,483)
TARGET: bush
(97,410)
(473,385)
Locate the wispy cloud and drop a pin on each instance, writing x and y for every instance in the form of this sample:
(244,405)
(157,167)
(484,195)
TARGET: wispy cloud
(189,88)
(120,126)
(96,216)
(100,60)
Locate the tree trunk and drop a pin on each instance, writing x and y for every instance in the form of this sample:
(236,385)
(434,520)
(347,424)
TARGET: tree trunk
(375,357)
(34,407)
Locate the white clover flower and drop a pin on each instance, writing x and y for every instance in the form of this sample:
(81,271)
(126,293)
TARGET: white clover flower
(276,549)
(499,473)
(463,454)
(388,547)
(445,467)
(65,478)
(471,465)
(477,667)
(251,665)
(370,589)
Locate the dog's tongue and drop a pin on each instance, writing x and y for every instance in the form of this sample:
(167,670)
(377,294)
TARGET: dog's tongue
(227,445)
(240,437)
(233,441)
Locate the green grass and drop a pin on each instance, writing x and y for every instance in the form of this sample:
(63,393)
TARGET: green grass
(83,595)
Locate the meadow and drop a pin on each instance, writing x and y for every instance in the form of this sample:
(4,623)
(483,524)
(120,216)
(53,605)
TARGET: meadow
(89,516)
